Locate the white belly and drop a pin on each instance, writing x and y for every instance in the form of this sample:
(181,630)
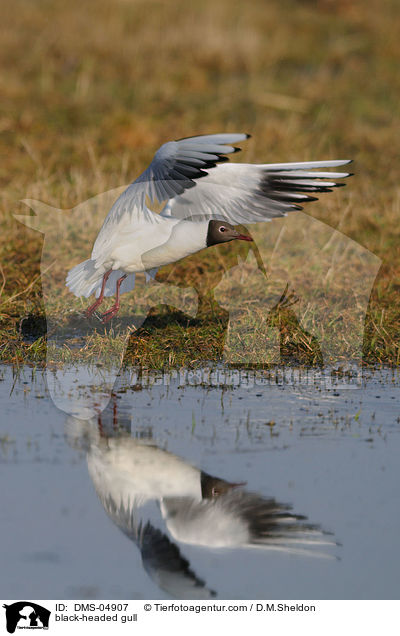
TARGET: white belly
(147,247)
(129,471)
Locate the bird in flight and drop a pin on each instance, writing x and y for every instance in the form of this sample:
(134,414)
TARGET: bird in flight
(205,198)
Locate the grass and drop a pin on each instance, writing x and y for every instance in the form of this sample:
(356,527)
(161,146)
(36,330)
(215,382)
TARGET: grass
(87,97)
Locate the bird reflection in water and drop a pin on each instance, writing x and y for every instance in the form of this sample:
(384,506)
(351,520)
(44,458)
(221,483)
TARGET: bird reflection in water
(195,508)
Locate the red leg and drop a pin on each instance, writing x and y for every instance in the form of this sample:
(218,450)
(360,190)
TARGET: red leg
(115,412)
(110,313)
(100,425)
(90,310)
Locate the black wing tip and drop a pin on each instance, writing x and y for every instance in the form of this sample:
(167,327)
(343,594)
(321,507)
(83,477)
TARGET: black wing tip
(247,136)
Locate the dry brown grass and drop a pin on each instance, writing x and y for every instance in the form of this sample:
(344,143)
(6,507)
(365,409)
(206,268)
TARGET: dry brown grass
(91,89)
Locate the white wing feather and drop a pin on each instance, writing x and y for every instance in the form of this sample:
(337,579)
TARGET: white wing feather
(249,193)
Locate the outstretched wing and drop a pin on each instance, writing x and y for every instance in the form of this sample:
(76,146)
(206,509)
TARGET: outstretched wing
(239,518)
(162,559)
(250,193)
(166,565)
(176,167)
(178,164)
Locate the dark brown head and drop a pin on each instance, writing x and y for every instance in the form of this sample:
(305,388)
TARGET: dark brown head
(222,232)
(212,487)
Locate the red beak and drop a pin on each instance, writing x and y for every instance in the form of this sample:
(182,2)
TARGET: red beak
(243,237)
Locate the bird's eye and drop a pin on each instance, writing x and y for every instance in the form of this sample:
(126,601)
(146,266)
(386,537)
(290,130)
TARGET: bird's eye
(222,229)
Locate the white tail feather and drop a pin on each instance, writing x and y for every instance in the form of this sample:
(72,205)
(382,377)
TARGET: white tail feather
(84,279)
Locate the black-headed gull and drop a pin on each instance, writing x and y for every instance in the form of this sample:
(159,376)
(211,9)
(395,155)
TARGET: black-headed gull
(197,508)
(204,198)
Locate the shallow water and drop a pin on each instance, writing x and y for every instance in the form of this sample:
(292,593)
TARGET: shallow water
(333,455)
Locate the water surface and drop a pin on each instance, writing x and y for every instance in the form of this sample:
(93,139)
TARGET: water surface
(332,455)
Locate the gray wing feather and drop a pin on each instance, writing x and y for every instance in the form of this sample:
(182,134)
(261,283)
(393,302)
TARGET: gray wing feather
(177,164)
(239,518)
(176,167)
(249,193)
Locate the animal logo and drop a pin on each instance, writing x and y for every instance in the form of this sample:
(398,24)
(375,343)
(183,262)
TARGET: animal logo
(26,614)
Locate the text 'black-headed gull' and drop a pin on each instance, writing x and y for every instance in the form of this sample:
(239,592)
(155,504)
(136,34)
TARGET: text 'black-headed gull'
(204,198)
